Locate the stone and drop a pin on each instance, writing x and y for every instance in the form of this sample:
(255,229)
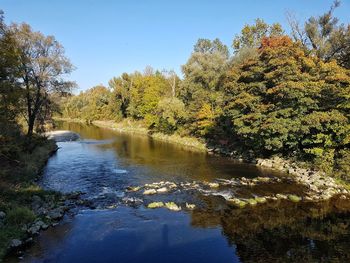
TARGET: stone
(2,215)
(41,225)
(281,196)
(15,243)
(162,190)
(133,188)
(34,230)
(252,202)
(190,206)
(213,185)
(149,192)
(55,214)
(155,205)
(260,199)
(294,198)
(172,206)
(237,202)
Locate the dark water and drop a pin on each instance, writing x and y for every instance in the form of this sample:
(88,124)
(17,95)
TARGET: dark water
(104,163)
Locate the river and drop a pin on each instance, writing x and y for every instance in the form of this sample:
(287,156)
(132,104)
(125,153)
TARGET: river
(120,228)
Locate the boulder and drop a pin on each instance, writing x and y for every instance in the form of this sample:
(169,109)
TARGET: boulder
(260,199)
(155,205)
(237,202)
(252,202)
(15,243)
(294,198)
(55,214)
(149,192)
(162,190)
(172,206)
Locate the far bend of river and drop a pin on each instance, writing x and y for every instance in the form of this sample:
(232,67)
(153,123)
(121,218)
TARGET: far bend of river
(121,229)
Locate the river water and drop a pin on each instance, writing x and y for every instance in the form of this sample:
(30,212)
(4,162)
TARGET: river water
(103,163)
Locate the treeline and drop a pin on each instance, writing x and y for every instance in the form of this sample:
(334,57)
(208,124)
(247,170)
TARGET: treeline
(276,94)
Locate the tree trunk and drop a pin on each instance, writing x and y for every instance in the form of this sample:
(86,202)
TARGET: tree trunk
(31,121)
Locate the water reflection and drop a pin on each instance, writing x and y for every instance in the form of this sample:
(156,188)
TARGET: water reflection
(104,163)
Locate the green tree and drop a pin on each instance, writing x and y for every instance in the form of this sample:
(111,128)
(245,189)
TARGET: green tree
(203,74)
(41,71)
(121,87)
(324,37)
(171,115)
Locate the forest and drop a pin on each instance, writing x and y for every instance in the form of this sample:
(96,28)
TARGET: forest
(271,93)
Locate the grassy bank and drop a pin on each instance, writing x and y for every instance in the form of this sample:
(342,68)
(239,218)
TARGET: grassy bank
(137,127)
(17,189)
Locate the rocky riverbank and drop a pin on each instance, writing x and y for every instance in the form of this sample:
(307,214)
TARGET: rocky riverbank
(320,186)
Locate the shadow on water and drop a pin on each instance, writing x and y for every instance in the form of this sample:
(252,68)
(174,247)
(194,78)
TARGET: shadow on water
(105,162)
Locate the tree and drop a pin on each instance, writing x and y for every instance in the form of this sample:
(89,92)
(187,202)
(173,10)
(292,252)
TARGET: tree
(287,101)
(41,71)
(251,35)
(121,87)
(203,73)
(10,93)
(323,36)
(9,87)
(171,115)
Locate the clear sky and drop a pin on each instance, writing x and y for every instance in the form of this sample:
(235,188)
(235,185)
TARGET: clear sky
(104,38)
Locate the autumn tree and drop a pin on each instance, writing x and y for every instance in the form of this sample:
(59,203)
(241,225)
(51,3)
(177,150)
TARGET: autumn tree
(288,102)
(42,68)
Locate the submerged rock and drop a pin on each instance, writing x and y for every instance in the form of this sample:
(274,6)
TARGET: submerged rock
(155,205)
(172,206)
(133,188)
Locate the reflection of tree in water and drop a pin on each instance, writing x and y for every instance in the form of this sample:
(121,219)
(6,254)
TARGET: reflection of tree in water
(282,231)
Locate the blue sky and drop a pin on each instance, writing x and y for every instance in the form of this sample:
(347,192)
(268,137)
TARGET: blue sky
(106,38)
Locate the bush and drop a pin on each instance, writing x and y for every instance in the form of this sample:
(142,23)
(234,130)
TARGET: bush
(20,215)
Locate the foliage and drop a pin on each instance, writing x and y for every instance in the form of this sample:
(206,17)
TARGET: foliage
(19,216)
(42,67)
(97,103)
(171,114)
(275,95)
(324,37)
(251,35)
(288,102)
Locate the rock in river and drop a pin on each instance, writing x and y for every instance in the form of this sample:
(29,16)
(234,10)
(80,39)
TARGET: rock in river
(150,192)
(172,206)
(155,205)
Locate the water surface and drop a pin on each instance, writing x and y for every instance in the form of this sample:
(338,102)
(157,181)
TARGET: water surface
(103,163)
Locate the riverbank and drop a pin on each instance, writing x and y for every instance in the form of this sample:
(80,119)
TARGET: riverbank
(20,217)
(320,185)
(135,127)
